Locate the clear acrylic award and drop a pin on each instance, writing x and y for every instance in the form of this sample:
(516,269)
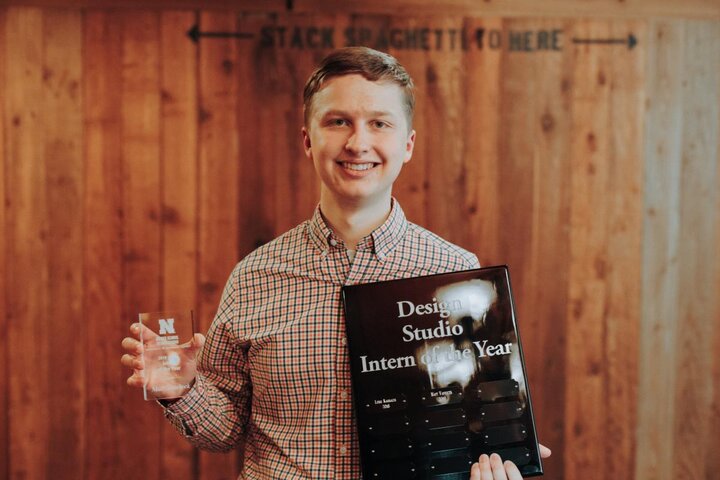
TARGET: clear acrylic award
(166,338)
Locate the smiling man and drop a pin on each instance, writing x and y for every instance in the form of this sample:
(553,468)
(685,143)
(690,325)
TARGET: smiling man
(274,371)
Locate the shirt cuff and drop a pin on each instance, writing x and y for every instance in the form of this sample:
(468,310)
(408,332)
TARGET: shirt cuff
(183,412)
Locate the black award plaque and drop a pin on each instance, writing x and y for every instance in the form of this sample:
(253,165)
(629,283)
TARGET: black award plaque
(439,375)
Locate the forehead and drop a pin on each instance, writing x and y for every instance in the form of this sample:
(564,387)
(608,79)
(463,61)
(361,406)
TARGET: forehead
(354,93)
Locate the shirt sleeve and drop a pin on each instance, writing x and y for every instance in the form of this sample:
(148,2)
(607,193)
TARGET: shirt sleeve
(213,415)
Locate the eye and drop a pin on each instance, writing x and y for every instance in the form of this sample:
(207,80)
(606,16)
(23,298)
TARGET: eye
(380,124)
(337,122)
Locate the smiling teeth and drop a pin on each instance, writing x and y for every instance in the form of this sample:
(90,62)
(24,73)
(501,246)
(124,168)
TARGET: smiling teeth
(358,166)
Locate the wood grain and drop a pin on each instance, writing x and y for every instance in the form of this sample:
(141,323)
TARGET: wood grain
(589,262)
(4,346)
(697,243)
(507,8)
(142,207)
(624,248)
(63,115)
(660,287)
(27,260)
(103,309)
(218,188)
(483,78)
(178,209)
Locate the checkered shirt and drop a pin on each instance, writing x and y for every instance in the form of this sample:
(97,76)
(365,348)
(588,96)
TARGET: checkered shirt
(275,368)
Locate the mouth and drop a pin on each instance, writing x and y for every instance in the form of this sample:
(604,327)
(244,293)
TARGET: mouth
(358,166)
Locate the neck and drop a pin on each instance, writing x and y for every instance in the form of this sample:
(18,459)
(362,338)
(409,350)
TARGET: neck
(352,221)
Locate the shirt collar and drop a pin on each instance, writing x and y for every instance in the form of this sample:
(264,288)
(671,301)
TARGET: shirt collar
(381,241)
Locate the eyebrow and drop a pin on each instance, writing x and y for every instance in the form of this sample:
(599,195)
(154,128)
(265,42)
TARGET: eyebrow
(375,113)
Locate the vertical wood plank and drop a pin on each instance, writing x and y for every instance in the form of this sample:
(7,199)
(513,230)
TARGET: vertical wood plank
(103,306)
(516,166)
(445,164)
(712,464)
(624,250)
(586,409)
(256,222)
(698,189)
(660,288)
(544,287)
(218,187)
(142,196)
(4,280)
(180,194)
(27,246)
(412,185)
(482,72)
(62,76)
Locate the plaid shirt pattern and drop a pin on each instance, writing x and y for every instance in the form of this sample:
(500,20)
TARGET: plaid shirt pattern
(275,367)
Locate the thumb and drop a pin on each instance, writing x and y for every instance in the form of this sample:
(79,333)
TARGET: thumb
(198,341)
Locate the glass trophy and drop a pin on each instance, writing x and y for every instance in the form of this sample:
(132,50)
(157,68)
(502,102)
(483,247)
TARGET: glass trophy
(166,338)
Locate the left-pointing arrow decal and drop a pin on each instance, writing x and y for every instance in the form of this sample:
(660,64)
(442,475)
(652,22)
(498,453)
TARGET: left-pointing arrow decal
(194,33)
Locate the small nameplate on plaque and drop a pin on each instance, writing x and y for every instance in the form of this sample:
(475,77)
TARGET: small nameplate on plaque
(444,419)
(459,464)
(393,403)
(442,396)
(518,455)
(500,411)
(390,425)
(515,432)
(391,448)
(444,441)
(393,470)
(491,391)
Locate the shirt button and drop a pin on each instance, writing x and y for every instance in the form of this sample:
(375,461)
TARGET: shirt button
(343,394)
(332,242)
(343,340)
(343,450)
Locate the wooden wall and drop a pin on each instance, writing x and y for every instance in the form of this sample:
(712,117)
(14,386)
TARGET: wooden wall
(137,167)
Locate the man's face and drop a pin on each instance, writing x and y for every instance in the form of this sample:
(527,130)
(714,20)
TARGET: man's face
(358,138)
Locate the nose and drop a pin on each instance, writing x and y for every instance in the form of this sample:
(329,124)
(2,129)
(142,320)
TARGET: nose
(359,141)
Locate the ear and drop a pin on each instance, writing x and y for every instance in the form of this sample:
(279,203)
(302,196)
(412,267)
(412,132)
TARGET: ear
(409,146)
(306,142)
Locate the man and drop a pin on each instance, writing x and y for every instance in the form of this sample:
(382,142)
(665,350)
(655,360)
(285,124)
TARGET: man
(274,369)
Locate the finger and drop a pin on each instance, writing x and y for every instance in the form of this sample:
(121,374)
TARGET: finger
(485,470)
(498,469)
(475,472)
(131,345)
(132,361)
(143,332)
(136,380)
(545,452)
(512,471)
(198,341)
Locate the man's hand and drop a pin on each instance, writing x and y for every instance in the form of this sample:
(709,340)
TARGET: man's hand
(133,358)
(493,468)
